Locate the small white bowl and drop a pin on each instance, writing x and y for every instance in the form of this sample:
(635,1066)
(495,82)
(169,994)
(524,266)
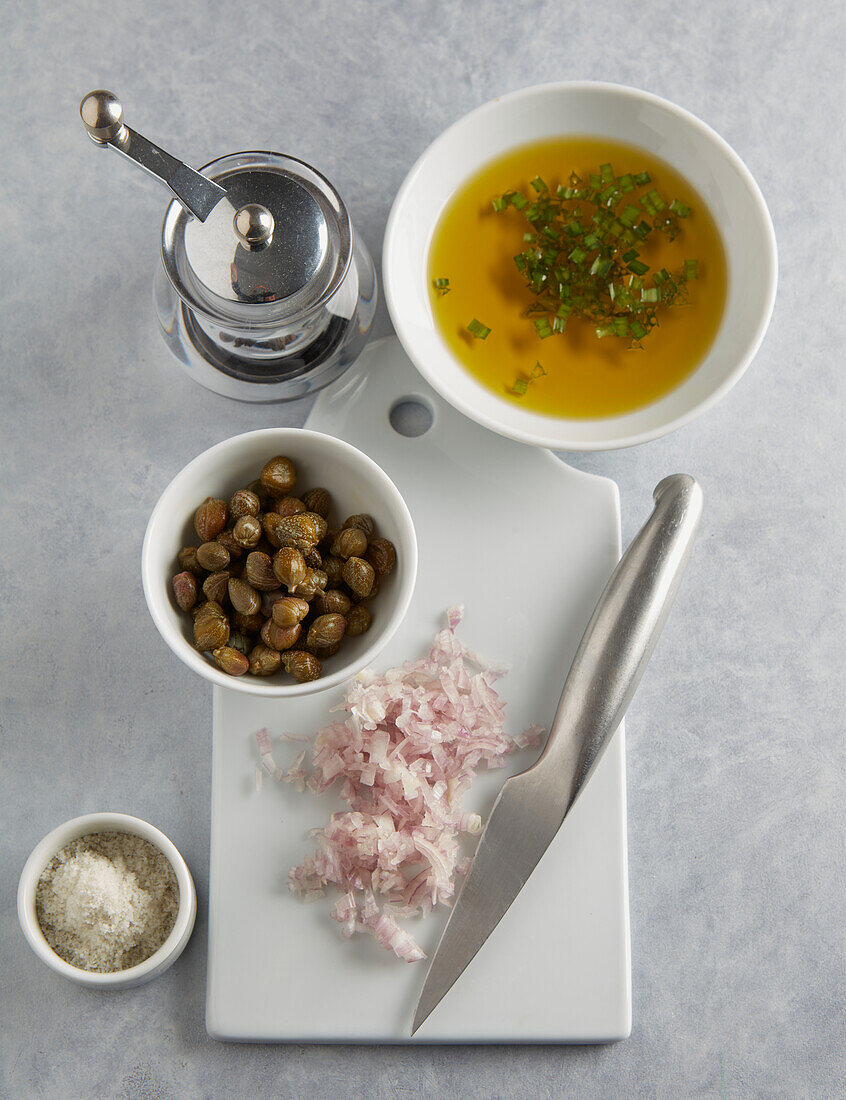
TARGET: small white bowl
(600,110)
(355,483)
(53,843)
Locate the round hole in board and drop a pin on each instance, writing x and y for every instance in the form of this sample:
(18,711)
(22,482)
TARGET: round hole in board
(410,416)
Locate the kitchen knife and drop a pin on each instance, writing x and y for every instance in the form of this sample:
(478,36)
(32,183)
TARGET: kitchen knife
(532,806)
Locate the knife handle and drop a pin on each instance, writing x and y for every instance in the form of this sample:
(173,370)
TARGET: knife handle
(622,633)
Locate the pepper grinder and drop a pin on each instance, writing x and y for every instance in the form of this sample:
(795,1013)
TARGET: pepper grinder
(264,292)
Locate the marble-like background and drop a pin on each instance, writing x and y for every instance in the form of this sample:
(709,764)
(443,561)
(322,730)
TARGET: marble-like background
(736,739)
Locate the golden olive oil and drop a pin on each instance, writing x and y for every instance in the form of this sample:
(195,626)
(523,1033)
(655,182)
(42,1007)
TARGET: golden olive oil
(474,247)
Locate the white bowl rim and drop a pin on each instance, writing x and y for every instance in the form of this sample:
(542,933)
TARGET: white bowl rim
(268,688)
(559,442)
(57,839)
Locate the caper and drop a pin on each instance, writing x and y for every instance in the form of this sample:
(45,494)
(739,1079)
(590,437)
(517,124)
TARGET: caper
(302,531)
(325,631)
(210,518)
(213,556)
(382,556)
(290,567)
(289,506)
(333,568)
(260,491)
(215,586)
(188,560)
(185,590)
(363,522)
(301,665)
(244,502)
(262,539)
(320,524)
(317,500)
(260,572)
(210,632)
(289,611)
(243,596)
(280,637)
(359,575)
(209,607)
(358,620)
(248,624)
(226,538)
(314,581)
(247,531)
(264,661)
(278,476)
(331,602)
(350,543)
(240,642)
(231,660)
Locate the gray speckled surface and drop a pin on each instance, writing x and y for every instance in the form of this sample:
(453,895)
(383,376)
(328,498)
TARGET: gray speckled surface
(736,739)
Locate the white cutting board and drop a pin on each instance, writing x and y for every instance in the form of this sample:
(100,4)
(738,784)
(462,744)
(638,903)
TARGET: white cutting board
(527,544)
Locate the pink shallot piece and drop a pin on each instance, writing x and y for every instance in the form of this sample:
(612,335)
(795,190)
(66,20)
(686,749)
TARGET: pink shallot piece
(404,756)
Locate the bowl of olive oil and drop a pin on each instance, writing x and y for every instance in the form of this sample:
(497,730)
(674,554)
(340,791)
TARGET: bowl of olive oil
(580,266)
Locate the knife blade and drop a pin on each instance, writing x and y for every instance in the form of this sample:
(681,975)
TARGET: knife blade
(532,806)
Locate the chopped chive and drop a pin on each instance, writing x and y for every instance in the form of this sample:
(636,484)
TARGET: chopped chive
(537,372)
(600,267)
(582,256)
(655,199)
(478,330)
(520,387)
(442,286)
(630,214)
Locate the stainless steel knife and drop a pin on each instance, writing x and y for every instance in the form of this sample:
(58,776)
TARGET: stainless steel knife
(606,670)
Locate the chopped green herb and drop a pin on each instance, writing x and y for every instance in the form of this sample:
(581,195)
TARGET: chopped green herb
(522,384)
(442,286)
(581,256)
(478,330)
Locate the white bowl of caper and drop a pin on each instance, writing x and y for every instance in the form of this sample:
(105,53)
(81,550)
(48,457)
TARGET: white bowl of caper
(279,562)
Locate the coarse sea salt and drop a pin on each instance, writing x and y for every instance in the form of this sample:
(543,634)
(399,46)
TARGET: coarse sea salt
(107,901)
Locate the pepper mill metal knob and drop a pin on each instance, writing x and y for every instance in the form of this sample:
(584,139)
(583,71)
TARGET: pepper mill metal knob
(102,115)
(253,225)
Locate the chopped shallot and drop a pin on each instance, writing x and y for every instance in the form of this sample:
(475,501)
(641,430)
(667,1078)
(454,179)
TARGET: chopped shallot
(404,756)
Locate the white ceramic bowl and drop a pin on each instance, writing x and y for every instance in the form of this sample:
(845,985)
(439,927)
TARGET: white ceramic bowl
(160,960)
(355,483)
(603,110)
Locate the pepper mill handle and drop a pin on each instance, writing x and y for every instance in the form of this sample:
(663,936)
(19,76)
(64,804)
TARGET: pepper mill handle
(102,116)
